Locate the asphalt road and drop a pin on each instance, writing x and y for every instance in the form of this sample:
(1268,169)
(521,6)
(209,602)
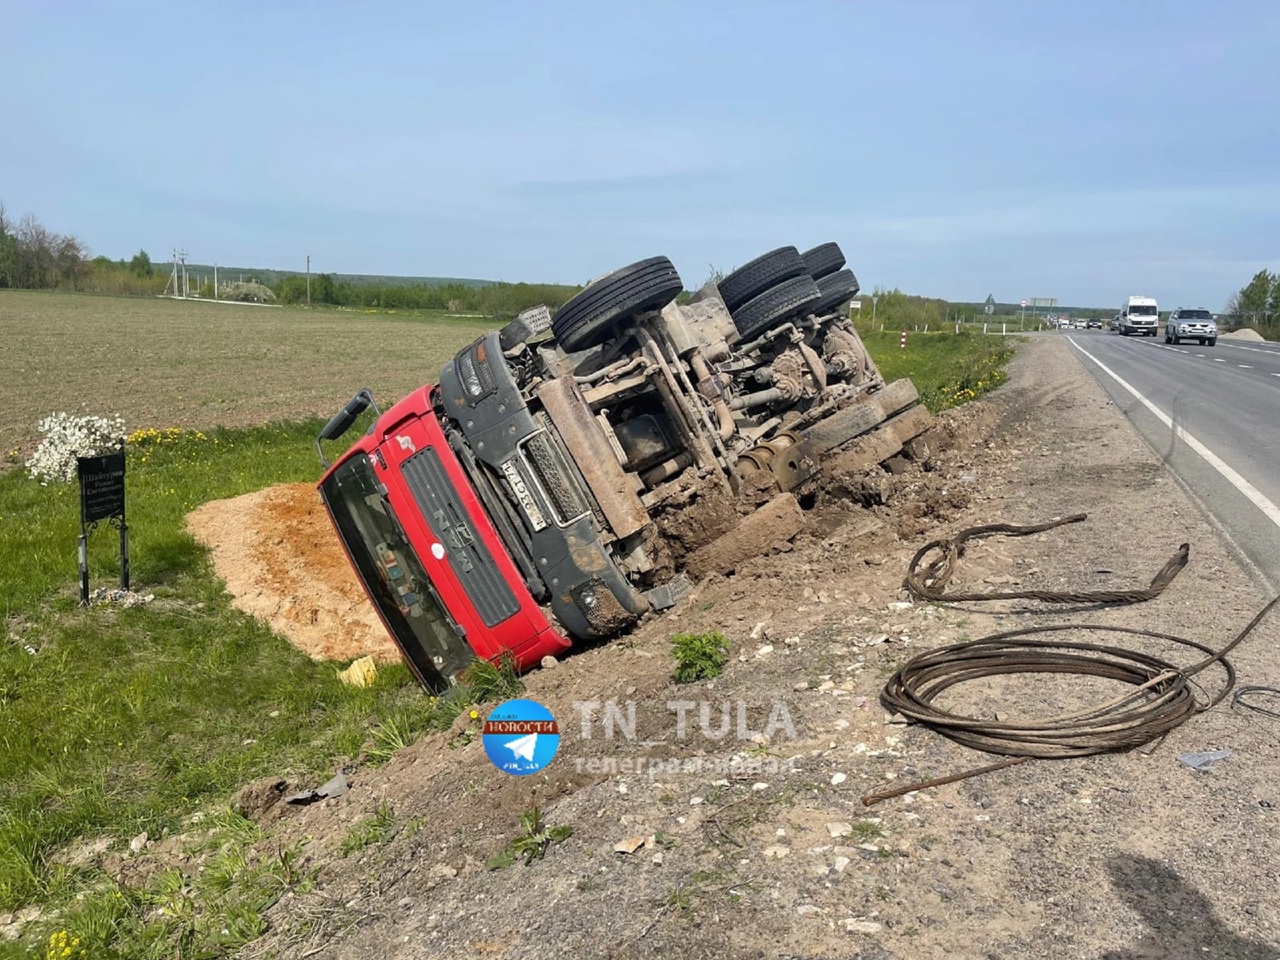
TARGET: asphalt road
(1213,414)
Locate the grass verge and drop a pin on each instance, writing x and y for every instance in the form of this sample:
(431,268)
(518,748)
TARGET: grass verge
(949,369)
(115,721)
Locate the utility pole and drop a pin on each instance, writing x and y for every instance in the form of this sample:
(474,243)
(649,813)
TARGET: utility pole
(215,281)
(308,280)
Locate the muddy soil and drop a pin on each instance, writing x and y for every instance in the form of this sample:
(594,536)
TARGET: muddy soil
(1120,856)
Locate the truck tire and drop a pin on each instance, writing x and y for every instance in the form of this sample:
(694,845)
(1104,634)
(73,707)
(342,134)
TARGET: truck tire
(765,271)
(1212,341)
(772,306)
(593,315)
(836,288)
(823,260)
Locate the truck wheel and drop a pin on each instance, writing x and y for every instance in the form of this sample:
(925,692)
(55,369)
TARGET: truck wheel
(754,278)
(1212,341)
(772,306)
(836,288)
(592,316)
(823,260)
(1176,339)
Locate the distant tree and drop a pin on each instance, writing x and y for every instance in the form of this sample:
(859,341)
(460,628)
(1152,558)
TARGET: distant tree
(69,261)
(8,248)
(140,265)
(292,289)
(1257,299)
(323,289)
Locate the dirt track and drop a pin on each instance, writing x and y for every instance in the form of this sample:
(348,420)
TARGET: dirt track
(1132,855)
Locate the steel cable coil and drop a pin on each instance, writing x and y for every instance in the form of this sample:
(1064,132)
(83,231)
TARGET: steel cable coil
(1162,696)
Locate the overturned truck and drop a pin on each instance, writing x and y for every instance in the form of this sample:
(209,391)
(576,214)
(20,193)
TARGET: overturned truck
(552,488)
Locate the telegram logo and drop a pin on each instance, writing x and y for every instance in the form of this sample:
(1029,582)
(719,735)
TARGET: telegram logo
(521,737)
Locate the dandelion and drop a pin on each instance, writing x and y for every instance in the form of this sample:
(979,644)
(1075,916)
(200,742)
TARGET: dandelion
(475,714)
(62,946)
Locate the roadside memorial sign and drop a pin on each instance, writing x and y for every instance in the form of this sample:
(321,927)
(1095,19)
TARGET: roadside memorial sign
(102,498)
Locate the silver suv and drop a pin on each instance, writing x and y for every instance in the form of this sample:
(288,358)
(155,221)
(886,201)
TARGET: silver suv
(1188,324)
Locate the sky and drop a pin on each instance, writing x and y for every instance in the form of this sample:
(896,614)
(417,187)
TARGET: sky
(1079,150)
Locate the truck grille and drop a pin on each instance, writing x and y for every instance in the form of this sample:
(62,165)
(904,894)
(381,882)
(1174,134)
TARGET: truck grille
(553,474)
(467,554)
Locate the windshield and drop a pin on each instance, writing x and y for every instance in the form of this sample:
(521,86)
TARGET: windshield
(1195,315)
(393,575)
(1142,310)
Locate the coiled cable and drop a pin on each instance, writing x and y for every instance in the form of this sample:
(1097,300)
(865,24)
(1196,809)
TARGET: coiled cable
(1161,698)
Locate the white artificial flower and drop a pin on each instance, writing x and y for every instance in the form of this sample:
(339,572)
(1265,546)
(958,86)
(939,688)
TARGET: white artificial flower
(68,436)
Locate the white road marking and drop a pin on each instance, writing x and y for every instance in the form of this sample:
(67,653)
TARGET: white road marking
(1236,346)
(1199,354)
(1218,360)
(1254,495)
(1244,366)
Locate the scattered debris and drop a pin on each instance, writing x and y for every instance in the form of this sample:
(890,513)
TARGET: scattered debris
(858,925)
(1204,760)
(336,787)
(629,845)
(361,673)
(124,598)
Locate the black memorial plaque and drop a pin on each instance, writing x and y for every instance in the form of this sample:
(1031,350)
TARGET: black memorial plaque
(102,498)
(101,487)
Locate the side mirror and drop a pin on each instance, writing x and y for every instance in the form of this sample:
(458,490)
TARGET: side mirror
(341,421)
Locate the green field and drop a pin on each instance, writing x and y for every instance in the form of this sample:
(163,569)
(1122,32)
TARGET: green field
(174,363)
(118,721)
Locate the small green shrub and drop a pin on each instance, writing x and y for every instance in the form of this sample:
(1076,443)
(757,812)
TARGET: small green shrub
(375,829)
(532,843)
(699,656)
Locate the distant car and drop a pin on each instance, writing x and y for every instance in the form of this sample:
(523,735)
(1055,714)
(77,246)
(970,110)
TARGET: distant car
(1191,324)
(1094,323)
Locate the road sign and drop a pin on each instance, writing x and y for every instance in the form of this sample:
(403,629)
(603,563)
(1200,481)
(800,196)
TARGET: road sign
(1024,303)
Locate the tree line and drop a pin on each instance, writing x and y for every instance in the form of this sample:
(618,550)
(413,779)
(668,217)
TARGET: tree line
(1257,305)
(33,257)
(497,300)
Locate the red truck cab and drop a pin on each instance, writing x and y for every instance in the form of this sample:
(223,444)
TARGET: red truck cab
(429,558)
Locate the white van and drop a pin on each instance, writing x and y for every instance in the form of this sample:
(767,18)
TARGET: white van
(1138,315)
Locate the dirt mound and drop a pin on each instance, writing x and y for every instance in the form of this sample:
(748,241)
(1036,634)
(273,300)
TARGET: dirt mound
(1246,334)
(283,564)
